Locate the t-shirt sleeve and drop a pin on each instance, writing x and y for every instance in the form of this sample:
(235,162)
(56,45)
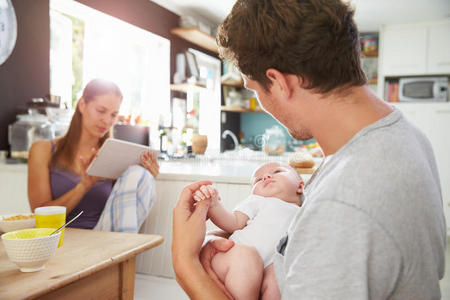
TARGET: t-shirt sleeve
(250,205)
(336,251)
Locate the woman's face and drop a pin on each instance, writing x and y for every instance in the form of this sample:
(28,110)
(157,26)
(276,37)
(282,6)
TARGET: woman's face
(100,114)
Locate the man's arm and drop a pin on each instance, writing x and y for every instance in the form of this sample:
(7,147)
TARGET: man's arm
(189,230)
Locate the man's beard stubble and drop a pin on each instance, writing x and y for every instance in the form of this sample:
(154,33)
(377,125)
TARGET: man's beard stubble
(301,134)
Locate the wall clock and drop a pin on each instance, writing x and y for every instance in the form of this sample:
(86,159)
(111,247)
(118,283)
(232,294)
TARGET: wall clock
(8,29)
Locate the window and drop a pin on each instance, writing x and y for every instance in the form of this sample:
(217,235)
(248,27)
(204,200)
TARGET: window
(87,44)
(208,99)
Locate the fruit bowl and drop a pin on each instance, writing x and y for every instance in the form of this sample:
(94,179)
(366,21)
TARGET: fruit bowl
(17,222)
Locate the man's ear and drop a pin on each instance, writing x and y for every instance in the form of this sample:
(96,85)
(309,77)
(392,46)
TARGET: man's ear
(279,83)
(284,83)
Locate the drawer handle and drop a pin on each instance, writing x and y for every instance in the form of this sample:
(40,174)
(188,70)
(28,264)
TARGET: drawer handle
(443,111)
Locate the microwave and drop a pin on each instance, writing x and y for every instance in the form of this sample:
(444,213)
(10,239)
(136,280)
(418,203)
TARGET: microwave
(424,89)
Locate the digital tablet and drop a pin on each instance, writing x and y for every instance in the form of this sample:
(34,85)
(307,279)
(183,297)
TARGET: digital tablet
(114,157)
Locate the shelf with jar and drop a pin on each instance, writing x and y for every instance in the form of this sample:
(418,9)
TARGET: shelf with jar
(236,97)
(187,87)
(369,57)
(196,37)
(239,109)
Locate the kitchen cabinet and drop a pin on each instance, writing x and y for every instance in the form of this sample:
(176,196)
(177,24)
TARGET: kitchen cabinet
(403,49)
(158,262)
(439,48)
(434,120)
(13,184)
(415,49)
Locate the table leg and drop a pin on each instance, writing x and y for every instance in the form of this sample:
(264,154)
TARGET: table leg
(127,272)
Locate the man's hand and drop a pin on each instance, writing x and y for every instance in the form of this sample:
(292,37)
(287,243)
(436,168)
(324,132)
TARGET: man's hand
(189,228)
(207,254)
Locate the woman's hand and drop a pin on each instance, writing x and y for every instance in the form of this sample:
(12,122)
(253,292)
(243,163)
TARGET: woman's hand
(150,162)
(87,181)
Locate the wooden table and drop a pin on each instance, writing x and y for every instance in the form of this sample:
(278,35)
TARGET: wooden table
(90,265)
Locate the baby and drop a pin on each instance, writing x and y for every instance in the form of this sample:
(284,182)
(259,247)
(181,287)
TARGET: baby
(257,224)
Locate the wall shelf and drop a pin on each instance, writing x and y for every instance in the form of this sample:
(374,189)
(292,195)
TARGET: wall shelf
(239,109)
(185,87)
(197,37)
(373,53)
(233,83)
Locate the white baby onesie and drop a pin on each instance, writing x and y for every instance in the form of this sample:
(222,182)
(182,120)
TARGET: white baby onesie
(269,221)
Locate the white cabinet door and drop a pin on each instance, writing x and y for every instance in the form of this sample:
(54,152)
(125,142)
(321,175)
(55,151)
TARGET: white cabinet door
(158,261)
(404,50)
(13,186)
(440,140)
(434,120)
(439,48)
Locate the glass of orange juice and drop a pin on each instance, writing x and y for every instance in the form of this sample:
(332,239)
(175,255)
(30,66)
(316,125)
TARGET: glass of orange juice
(51,217)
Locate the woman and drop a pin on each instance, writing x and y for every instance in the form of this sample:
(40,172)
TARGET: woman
(57,169)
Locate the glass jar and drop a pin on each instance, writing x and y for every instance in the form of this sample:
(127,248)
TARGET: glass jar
(274,141)
(27,129)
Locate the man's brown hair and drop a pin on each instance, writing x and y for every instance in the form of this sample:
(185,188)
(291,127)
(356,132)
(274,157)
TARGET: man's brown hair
(315,39)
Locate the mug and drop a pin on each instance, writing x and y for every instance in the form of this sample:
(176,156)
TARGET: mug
(51,217)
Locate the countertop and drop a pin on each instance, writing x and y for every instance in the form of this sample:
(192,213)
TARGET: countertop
(218,169)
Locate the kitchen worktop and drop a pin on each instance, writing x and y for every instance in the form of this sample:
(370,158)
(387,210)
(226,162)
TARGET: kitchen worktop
(227,168)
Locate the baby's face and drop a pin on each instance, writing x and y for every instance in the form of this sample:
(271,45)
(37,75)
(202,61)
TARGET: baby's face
(275,180)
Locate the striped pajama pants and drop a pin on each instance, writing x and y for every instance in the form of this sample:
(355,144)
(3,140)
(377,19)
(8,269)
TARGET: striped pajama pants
(130,201)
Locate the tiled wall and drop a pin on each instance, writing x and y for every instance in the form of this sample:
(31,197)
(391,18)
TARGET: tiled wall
(253,125)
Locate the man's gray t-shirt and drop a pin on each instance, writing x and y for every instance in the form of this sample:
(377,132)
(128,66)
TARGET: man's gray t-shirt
(372,224)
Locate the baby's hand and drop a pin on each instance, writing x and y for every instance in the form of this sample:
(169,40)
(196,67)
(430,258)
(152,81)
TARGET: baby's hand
(207,192)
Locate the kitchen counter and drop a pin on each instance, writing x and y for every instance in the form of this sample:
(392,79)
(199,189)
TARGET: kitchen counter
(233,171)
(229,167)
(230,175)
(218,169)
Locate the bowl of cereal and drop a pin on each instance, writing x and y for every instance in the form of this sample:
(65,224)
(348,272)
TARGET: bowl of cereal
(17,222)
(30,249)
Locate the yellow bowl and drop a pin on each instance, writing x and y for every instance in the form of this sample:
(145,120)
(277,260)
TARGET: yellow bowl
(30,249)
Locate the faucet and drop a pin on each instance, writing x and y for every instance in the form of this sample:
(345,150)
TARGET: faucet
(233,136)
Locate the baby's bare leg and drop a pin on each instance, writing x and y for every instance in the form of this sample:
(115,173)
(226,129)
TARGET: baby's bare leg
(269,288)
(241,271)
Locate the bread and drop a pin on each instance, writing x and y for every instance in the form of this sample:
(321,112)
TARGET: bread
(301,160)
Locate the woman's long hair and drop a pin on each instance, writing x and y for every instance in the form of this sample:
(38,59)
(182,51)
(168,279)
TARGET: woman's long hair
(66,146)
